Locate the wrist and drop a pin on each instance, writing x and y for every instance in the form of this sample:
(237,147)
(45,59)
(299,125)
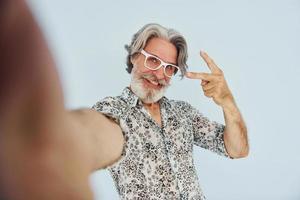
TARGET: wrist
(228,102)
(230,109)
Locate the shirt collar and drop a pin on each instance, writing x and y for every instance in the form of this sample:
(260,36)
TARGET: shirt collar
(134,100)
(130,97)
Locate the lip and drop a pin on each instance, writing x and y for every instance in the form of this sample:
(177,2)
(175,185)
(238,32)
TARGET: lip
(149,84)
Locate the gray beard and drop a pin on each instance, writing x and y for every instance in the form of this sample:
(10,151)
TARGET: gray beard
(147,95)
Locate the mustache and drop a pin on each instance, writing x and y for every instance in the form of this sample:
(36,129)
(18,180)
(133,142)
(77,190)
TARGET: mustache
(154,78)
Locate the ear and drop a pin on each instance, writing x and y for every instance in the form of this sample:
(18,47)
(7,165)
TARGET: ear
(134,58)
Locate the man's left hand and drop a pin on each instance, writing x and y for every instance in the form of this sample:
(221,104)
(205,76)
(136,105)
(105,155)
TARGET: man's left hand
(213,84)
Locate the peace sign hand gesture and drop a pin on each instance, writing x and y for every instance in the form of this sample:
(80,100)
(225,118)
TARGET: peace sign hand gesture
(213,84)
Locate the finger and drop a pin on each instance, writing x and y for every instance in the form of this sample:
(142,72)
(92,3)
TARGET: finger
(208,86)
(199,75)
(209,93)
(203,82)
(210,90)
(210,63)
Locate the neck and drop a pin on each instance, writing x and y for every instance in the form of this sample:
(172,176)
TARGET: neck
(151,105)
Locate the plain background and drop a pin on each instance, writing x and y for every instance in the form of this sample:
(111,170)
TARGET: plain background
(255,43)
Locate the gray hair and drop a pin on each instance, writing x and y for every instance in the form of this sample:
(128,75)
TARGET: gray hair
(140,39)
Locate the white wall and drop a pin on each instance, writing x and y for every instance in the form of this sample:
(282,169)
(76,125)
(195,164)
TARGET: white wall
(257,45)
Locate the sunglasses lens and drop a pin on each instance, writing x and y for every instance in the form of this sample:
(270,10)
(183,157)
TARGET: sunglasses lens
(170,70)
(152,62)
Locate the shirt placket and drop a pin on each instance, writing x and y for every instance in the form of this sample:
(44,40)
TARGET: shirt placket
(171,155)
(167,144)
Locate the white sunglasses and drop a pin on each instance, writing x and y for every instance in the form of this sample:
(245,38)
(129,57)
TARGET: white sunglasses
(152,62)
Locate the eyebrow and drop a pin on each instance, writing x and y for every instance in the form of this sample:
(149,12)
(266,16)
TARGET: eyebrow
(162,59)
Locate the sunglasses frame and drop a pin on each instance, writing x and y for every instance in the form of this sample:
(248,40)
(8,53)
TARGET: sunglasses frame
(162,63)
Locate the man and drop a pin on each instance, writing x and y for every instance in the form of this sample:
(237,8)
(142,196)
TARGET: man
(47,152)
(159,133)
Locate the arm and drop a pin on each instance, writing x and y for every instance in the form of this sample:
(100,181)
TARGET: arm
(209,134)
(46,152)
(104,136)
(215,86)
(235,134)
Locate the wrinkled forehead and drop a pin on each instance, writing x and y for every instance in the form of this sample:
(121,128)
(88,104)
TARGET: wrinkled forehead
(163,49)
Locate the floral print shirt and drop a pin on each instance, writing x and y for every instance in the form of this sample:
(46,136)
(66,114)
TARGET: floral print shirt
(157,161)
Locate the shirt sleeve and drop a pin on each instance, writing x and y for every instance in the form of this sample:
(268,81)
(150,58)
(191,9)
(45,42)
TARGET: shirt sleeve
(208,134)
(110,107)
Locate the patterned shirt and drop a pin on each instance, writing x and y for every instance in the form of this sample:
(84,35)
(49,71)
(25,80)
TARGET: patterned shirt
(156,161)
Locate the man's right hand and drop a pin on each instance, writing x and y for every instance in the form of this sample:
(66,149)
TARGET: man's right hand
(46,152)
